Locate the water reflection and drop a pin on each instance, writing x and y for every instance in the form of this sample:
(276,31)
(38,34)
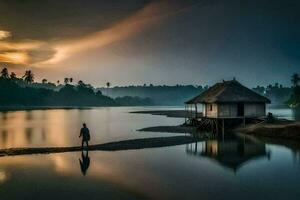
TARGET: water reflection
(84,162)
(231,152)
(296,113)
(121,174)
(44,128)
(37,128)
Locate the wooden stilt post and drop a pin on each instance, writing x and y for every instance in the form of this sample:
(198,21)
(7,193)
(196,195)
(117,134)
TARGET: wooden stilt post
(191,111)
(223,129)
(223,126)
(188,112)
(185,113)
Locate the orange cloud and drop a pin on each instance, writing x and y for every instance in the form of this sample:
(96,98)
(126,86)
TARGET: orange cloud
(17,53)
(20,52)
(14,46)
(4,34)
(143,18)
(14,57)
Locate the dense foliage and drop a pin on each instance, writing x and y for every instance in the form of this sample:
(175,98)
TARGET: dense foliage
(161,95)
(24,92)
(278,94)
(177,95)
(11,94)
(294,100)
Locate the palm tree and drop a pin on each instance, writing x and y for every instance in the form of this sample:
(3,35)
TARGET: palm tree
(13,76)
(295,79)
(4,73)
(107,85)
(28,77)
(44,81)
(66,81)
(80,82)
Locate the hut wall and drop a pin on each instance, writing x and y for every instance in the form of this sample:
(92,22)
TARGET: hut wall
(255,109)
(211,110)
(227,110)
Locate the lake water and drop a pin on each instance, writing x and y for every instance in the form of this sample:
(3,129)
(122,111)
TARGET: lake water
(229,168)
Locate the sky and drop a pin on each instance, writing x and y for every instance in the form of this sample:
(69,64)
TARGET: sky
(132,42)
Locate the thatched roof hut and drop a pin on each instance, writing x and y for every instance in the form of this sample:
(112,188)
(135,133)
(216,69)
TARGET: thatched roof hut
(230,99)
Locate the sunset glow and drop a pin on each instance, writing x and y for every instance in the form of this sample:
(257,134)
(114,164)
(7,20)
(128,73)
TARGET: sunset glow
(15,57)
(16,46)
(150,41)
(4,34)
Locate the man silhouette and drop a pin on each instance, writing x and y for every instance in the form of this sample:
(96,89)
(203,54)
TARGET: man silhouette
(85,134)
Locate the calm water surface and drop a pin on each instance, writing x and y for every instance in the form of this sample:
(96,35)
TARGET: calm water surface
(233,167)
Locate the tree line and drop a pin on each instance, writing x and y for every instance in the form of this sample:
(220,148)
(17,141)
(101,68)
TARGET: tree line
(23,91)
(283,95)
(80,93)
(160,94)
(294,100)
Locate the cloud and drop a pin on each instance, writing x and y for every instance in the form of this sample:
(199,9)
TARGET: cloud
(47,53)
(144,18)
(18,52)
(4,34)
(17,46)
(14,57)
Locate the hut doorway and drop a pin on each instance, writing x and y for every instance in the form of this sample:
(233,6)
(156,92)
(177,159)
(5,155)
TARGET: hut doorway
(240,109)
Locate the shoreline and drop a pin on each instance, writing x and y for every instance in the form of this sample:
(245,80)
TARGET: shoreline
(133,144)
(280,129)
(170,129)
(167,113)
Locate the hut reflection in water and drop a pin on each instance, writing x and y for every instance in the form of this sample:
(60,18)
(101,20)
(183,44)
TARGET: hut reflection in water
(231,152)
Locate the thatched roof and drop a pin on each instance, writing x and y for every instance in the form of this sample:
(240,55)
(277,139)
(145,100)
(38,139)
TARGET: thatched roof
(228,92)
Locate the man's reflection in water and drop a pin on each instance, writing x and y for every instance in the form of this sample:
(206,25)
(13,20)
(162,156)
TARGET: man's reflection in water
(84,161)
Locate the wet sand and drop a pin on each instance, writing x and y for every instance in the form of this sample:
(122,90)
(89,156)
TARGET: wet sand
(281,129)
(111,146)
(170,129)
(167,113)
(291,144)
